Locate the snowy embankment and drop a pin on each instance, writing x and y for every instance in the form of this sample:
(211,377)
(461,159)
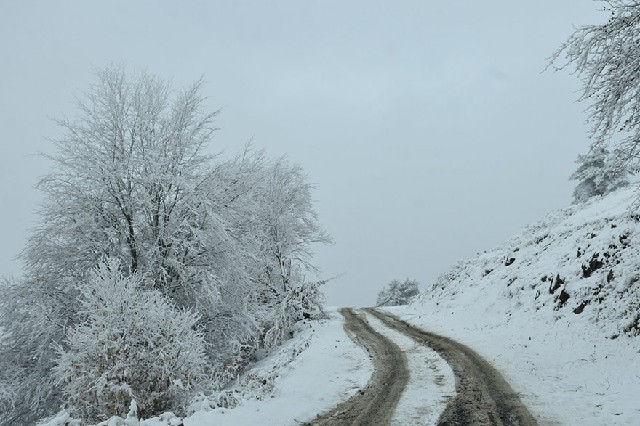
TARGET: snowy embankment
(331,369)
(309,374)
(556,309)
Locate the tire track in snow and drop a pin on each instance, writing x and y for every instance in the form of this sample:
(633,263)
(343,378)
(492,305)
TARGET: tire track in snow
(373,405)
(431,382)
(483,395)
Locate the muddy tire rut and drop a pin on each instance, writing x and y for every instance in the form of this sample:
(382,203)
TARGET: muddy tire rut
(483,397)
(373,405)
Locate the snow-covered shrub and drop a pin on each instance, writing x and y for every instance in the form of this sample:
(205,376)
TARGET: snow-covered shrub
(304,301)
(398,293)
(63,418)
(301,302)
(6,396)
(226,398)
(31,324)
(599,172)
(131,344)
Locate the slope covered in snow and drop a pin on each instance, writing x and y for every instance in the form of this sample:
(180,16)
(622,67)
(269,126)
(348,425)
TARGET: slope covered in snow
(330,369)
(308,374)
(556,309)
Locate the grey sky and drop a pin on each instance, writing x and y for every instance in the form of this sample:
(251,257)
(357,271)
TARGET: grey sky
(428,127)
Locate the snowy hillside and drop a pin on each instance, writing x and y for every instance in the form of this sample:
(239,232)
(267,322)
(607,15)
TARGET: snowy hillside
(308,374)
(556,309)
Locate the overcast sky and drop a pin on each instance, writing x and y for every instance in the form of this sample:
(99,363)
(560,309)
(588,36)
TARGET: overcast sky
(428,127)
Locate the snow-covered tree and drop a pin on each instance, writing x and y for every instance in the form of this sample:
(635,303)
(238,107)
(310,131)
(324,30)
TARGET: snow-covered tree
(598,173)
(288,226)
(31,319)
(133,181)
(607,57)
(127,184)
(131,344)
(398,293)
(268,204)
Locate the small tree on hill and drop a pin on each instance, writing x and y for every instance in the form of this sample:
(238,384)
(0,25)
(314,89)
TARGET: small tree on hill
(599,173)
(398,293)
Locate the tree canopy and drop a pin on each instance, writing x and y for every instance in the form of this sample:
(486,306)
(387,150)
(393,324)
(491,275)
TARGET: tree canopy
(137,203)
(607,59)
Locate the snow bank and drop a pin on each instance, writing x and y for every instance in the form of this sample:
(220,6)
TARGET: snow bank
(331,369)
(309,374)
(556,309)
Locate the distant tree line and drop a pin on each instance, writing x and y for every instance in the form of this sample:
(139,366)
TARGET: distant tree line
(157,270)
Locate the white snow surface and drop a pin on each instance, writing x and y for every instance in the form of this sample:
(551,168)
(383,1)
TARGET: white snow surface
(330,370)
(431,381)
(570,367)
(320,367)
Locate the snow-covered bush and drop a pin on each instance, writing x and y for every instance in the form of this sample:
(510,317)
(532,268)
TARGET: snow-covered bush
(398,293)
(599,172)
(301,302)
(63,418)
(31,324)
(132,344)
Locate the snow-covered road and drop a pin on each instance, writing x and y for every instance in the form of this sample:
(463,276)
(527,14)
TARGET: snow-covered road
(482,395)
(334,369)
(431,381)
(330,370)
(333,382)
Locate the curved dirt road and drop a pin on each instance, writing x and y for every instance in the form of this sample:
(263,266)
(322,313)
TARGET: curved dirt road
(375,404)
(483,397)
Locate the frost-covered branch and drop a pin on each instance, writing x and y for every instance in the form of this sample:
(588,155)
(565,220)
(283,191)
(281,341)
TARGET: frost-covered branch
(607,59)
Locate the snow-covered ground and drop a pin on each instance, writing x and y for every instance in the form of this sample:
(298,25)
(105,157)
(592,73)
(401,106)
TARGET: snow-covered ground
(431,381)
(329,371)
(556,310)
(309,374)
(327,368)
